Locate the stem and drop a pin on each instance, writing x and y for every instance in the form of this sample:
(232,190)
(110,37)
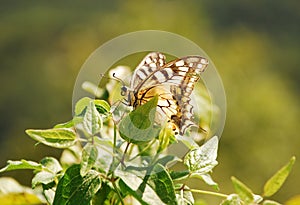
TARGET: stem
(112,166)
(125,151)
(116,189)
(183,185)
(207,192)
(115,137)
(93,140)
(144,150)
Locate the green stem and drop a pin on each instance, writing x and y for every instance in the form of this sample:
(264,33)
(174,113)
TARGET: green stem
(112,166)
(116,189)
(144,150)
(115,137)
(123,157)
(207,192)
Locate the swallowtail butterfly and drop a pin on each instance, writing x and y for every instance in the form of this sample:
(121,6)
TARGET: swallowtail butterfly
(173,82)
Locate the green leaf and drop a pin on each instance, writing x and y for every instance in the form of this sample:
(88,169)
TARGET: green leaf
(73,189)
(102,106)
(103,195)
(81,105)
(56,137)
(105,154)
(165,135)
(104,162)
(105,142)
(188,141)
(185,197)
(270,202)
(143,116)
(207,179)
(242,190)
(203,159)
(49,173)
(167,159)
(178,175)
(92,120)
(42,177)
(49,193)
(23,164)
(129,185)
(127,190)
(277,180)
(77,120)
(232,199)
(138,126)
(89,157)
(163,184)
(68,124)
(12,193)
(51,164)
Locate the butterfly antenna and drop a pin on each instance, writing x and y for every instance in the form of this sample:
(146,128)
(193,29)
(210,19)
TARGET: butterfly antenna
(118,79)
(114,78)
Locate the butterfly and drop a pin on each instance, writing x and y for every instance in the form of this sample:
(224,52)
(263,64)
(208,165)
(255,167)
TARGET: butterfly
(173,82)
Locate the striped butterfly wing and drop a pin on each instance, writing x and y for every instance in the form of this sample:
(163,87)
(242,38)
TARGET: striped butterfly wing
(173,82)
(187,70)
(152,62)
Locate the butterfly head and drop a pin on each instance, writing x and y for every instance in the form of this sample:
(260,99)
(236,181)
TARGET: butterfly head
(125,91)
(129,94)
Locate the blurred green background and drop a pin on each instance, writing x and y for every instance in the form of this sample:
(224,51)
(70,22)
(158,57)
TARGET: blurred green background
(254,44)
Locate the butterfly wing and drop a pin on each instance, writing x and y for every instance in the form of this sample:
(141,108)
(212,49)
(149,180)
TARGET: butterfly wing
(172,82)
(184,110)
(187,70)
(143,72)
(153,71)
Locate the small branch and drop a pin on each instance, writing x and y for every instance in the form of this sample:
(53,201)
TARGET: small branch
(115,137)
(143,150)
(117,190)
(112,166)
(124,154)
(207,192)
(183,185)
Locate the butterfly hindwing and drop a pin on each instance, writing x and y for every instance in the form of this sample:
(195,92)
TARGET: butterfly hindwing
(185,109)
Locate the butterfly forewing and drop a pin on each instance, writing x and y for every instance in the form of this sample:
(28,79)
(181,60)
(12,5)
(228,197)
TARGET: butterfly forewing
(151,63)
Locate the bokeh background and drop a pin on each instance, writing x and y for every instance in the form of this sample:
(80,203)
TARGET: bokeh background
(254,44)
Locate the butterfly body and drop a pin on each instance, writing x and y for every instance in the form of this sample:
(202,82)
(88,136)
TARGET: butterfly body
(173,82)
